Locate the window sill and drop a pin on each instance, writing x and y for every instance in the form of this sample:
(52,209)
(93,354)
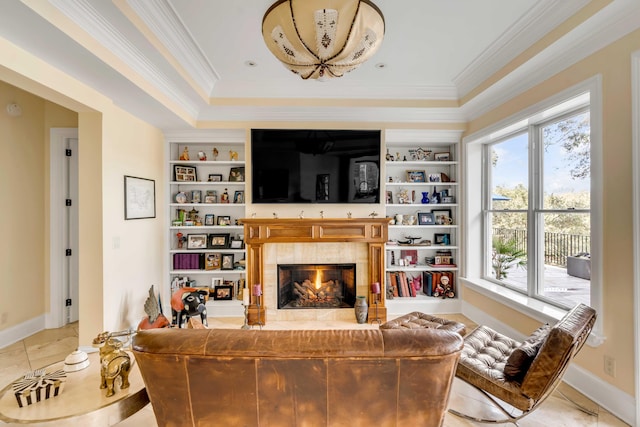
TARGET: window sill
(531,307)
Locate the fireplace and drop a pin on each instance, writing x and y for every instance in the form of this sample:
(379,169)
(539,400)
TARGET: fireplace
(320,286)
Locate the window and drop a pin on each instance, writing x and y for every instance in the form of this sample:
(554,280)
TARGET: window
(538,216)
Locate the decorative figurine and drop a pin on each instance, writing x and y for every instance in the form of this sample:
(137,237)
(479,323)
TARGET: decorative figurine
(185,154)
(301,215)
(224,198)
(188,302)
(114,361)
(202,156)
(321,214)
(181,239)
(154,319)
(233,155)
(373,214)
(215,153)
(275,215)
(349,215)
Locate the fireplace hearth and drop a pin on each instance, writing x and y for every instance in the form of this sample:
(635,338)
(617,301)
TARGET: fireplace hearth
(316,286)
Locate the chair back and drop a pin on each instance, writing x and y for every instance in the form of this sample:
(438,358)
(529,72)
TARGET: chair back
(564,341)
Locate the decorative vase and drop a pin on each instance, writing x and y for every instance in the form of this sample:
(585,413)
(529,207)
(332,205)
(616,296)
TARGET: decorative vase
(361,309)
(425,197)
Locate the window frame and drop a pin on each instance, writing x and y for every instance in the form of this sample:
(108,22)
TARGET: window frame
(587,94)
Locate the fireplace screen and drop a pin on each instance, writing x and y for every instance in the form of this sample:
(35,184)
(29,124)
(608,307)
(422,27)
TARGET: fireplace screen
(316,285)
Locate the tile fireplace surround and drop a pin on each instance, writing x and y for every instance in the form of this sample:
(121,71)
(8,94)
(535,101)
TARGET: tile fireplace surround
(306,241)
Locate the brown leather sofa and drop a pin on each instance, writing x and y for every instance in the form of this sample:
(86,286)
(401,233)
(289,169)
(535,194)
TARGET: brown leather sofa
(233,378)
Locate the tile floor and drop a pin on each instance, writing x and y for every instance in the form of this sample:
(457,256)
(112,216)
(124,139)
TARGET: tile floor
(52,345)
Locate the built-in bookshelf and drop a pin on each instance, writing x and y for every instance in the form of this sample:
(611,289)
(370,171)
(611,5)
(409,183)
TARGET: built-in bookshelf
(205,201)
(421,175)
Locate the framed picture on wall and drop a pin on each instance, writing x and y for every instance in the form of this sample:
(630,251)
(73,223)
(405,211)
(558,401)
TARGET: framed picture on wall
(139,198)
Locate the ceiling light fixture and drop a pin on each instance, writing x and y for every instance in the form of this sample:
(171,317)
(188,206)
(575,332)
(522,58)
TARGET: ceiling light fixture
(319,39)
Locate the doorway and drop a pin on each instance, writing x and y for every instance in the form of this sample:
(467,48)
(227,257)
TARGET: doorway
(63,211)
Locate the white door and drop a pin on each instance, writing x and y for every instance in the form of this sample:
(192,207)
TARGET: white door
(64,294)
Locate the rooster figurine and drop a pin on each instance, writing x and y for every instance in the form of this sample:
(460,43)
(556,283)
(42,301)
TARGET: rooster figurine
(155,318)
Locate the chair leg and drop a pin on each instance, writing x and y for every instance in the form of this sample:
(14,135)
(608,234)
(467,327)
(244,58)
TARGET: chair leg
(577,405)
(509,418)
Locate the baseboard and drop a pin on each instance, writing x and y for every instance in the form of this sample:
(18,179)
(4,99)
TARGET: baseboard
(614,400)
(22,330)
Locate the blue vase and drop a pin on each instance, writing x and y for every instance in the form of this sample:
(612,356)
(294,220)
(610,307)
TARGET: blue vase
(425,197)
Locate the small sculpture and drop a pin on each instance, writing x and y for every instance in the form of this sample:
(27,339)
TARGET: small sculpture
(301,215)
(275,215)
(224,198)
(373,214)
(202,156)
(188,302)
(349,215)
(181,240)
(155,318)
(215,153)
(185,154)
(321,214)
(114,361)
(233,155)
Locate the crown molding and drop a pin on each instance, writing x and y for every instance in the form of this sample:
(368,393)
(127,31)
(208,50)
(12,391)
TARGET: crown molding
(333,114)
(163,21)
(416,136)
(613,22)
(83,14)
(543,17)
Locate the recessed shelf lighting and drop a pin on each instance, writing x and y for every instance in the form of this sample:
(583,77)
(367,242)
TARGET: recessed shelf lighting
(381,65)
(250,63)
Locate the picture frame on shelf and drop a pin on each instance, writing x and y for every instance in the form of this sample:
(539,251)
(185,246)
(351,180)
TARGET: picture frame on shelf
(238,196)
(197,241)
(218,241)
(416,176)
(236,174)
(236,244)
(183,173)
(426,218)
(227,262)
(435,177)
(443,239)
(223,292)
(139,198)
(443,156)
(442,216)
(209,220)
(211,197)
(212,261)
(224,220)
(215,177)
(448,199)
(196,196)
(216,281)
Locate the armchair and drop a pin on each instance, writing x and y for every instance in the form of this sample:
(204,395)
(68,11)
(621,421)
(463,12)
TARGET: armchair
(522,375)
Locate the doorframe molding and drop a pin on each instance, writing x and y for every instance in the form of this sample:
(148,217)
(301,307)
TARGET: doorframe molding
(635,138)
(58,136)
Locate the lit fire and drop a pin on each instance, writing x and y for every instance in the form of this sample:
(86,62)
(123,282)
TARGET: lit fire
(318,281)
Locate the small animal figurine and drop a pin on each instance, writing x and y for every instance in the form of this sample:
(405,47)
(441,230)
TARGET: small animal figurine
(233,155)
(186,303)
(114,362)
(185,154)
(155,318)
(215,153)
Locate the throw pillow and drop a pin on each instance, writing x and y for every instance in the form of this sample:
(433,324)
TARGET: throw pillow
(521,357)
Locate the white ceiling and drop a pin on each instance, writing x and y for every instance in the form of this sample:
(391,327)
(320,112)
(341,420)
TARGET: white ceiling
(176,62)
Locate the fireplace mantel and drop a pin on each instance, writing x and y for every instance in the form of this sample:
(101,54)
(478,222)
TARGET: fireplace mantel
(261,231)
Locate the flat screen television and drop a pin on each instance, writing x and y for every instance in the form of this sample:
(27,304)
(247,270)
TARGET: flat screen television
(315,166)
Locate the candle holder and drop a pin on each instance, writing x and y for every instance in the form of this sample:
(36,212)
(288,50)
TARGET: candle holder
(375,290)
(257,292)
(246,318)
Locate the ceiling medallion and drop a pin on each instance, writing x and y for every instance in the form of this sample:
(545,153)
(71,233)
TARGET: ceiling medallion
(320,39)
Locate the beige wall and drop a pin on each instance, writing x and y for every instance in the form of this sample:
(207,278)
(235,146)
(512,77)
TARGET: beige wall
(113,282)
(24,189)
(614,64)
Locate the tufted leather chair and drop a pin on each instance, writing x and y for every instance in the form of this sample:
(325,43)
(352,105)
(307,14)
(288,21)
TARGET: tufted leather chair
(418,320)
(487,355)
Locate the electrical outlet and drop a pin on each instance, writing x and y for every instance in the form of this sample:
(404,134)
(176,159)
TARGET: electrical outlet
(4,318)
(609,366)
